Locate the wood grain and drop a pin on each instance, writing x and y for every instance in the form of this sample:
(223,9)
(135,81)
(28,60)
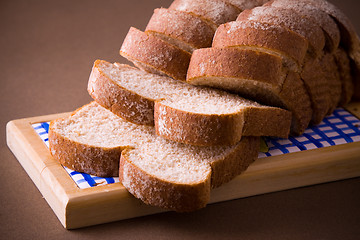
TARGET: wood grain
(77,208)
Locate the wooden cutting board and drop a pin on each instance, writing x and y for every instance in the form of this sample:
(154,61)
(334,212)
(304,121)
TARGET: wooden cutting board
(77,207)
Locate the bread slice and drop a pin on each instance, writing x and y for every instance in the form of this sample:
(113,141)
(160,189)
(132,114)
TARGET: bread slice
(344,69)
(208,112)
(181,29)
(317,86)
(92,138)
(155,55)
(255,75)
(160,172)
(215,12)
(330,69)
(316,16)
(264,37)
(290,19)
(178,177)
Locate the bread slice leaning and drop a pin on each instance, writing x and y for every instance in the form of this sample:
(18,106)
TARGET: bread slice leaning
(91,140)
(160,172)
(184,30)
(265,37)
(180,111)
(155,55)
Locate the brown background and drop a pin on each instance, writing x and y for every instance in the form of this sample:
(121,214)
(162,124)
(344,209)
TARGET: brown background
(47,49)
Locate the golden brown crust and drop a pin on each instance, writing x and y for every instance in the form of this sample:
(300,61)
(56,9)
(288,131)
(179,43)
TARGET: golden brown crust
(216,12)
(155,55)
(186,30)
(316,16)
(263,35)
(159,192)
(197,129)
(290,19)
(98,161)
(224,129)
(122,102)
(236,63)
(246,4)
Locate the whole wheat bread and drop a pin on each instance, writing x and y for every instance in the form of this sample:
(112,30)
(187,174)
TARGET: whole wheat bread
(183,112)
(160,172)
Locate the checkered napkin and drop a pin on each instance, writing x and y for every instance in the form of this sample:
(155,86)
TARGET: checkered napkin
(339,128)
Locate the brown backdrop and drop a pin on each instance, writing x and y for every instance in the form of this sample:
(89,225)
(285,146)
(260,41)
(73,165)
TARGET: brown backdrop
(46,52)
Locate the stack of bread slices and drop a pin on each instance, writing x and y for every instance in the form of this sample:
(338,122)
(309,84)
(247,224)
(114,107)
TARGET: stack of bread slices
(168,134)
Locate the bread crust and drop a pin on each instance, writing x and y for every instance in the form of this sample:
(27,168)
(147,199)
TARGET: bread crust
(246,4)
(224,129)
(236,63)
(155,55)
(316,16)
(160,192)
(290,19)
(349,39)
(197,129)
(271,37)
(185,30)
(99,161)
(122,102)
(216,12)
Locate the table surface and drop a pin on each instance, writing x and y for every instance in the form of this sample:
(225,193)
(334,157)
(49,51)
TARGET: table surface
(47,49)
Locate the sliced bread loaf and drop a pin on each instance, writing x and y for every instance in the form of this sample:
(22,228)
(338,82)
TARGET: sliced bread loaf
(184,30)
(255,75)
(160,172)
(155,55)
(199,115)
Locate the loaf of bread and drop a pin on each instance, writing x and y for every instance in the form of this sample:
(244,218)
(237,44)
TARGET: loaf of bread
(306,37)
(169,141)
(160,172)
(182,112)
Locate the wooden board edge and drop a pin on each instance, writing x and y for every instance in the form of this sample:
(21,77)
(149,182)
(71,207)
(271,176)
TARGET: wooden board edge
(306,170)
(41,169)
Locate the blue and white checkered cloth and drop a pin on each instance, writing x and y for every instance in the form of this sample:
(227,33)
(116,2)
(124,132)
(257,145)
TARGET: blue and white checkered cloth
(339,128)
